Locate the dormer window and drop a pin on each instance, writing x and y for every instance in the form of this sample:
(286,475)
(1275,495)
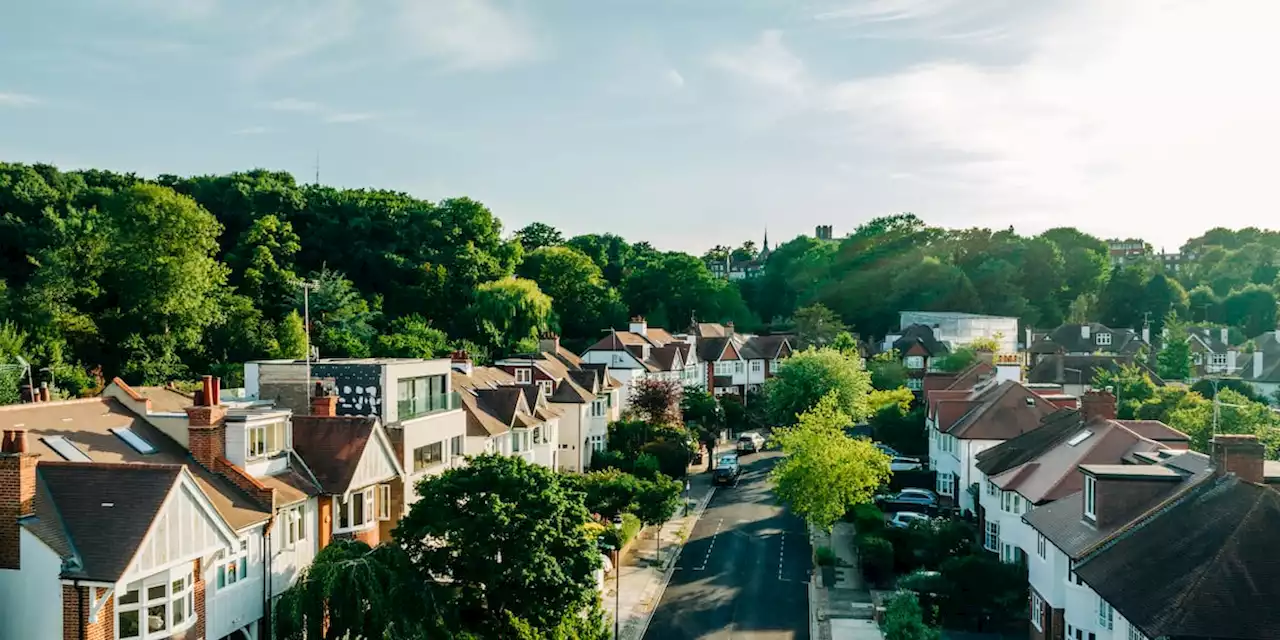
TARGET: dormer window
(524,376)
(1091,498)
(1104,339)
(264,440)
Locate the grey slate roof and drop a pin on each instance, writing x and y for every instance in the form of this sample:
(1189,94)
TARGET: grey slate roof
(922,335)
(1068,338)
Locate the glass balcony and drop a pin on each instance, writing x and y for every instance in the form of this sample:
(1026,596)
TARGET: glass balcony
(426,404)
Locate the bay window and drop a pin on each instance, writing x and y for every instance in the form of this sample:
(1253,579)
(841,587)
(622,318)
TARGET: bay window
(724,367)
(158,606)
(355,509)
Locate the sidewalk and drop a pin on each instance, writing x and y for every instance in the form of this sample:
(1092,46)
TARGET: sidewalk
(645,571)
(843,609)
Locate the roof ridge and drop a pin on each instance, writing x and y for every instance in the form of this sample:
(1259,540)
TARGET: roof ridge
(54,403)
(111,466)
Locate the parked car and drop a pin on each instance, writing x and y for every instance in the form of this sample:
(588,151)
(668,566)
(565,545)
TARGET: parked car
(727,470)
(888,450)
(904,519)
(900,463)
(916,500)
(750,442)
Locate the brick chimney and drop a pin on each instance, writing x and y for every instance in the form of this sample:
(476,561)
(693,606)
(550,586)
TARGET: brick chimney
(206,432)
(17,495)
(549,342)
(461,362)
(323,402)
(1239,454)
(1098,405)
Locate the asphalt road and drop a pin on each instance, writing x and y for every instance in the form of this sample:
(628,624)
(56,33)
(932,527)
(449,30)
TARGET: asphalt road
(744,572)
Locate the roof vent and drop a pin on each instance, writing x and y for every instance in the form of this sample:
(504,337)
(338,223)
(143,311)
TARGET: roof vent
(1079,437)
(1031,402)
(108,504)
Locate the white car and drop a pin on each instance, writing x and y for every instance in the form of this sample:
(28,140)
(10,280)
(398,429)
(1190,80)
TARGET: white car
(750,442)
(904,519)
(905,464)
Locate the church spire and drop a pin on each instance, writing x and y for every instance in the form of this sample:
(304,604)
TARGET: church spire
(765,248)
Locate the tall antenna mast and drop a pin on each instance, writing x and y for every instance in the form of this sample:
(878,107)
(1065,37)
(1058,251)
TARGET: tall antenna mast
(317,168)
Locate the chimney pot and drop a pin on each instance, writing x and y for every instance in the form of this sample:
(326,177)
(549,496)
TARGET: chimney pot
(19,443)
(324,406)
(206,388)
(216,399)
(7,445)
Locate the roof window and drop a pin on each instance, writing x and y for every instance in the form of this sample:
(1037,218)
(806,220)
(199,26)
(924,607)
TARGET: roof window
(65,448)
(1079,437)
(134,440)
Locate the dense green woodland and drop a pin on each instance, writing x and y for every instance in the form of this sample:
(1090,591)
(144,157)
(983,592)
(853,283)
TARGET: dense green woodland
(164,279)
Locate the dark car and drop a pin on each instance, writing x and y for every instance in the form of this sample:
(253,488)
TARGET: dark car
(727,470)
(917,500)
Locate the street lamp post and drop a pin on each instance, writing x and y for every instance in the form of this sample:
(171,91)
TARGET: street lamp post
(617,583)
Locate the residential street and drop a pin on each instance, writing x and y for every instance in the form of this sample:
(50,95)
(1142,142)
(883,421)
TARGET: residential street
(744,572)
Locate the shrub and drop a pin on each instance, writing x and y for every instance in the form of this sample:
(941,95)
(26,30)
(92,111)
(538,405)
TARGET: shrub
(646,467)
(875,554)
(824,556)
(867,519)
(904,619)
(619,537)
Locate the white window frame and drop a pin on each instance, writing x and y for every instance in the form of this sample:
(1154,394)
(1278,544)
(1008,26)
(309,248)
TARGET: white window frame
(1042,546)
(295,525)
(1135,633)
(1218,359)
(944,484)
(524,375)
(347,502)
(544,387)
(739,366)
(1197,358)
(915,384)
(991,537)
(598,408)
(1091,497)
(233,568)
(723,367)
(1037,611)
(757,366)
(257,440)
(1106,615)
(914,362)
(384,502)
(184,597)
(992,489)
(1103,339)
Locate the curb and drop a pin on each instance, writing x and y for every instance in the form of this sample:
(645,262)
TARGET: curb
(669,570)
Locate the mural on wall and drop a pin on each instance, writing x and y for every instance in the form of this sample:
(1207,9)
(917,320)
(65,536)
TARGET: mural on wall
(358,387)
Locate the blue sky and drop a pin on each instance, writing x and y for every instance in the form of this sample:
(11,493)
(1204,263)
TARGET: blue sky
(687,124)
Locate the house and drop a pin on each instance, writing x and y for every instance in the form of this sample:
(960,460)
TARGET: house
(1171,545)
(1123,252)
(643,352)
(957,329)
(509,418)
(128,521)
(586,394)
(1262,367)
(1075,374)
(412,399)
(1087,339)
(1215,351)
(735,268)
(735,363)
(965,422)
(1039,467)
(919,350)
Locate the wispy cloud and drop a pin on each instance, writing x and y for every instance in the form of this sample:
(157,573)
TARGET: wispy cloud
(291,30)
(324,113)
(887,10)
(18,100)
(768,64)
(467,34)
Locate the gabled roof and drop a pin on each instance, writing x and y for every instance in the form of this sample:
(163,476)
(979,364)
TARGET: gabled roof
(975,374)
(667,358)
(333,446)
(505,403)
(922,335)
(710,349)
(605,380)
(710,330)
(165,399)
(765,347)
(1266,346)
(1068,338)
(1065,369)
(997,412)
(1054,428)
(494,402)
(1203,567)
(1211,337)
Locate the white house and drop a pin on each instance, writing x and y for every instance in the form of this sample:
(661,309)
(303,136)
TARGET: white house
(642,352)
(506,417)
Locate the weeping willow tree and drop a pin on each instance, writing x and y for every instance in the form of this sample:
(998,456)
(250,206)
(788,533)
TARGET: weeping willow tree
(352,592)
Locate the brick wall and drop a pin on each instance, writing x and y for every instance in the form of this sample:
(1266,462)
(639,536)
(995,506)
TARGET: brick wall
(75,607)
(245,482)
(196,632)
(206,442)
(17,491)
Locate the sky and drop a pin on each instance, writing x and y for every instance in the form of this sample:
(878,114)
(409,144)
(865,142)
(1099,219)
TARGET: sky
(684,123)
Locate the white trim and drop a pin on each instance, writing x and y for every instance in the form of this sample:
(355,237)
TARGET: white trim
(384,502)
(1090,497)
(96,603)
(185,481)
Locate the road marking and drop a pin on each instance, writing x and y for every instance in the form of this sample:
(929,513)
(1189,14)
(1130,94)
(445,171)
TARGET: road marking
(782,547)
(710,546)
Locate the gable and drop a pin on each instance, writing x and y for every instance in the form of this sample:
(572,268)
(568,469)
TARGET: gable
(187,526)
(730,352)
(916,349)
(377,463)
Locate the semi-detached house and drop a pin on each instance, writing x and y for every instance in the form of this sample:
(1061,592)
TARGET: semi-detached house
(736,363)
(506,417)
(643,352)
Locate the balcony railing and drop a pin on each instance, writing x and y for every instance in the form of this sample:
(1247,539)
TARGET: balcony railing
(410,408)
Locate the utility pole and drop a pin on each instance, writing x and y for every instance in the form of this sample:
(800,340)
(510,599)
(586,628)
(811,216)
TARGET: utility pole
(307,286)
(317,168)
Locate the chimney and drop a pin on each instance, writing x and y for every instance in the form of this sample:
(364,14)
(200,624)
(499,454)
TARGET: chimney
(1239,454)
(728,328)
(1146,334)
(206,432)
(1084,331)
(1098,405)
(1257,363)
(638,325)
(1223,335)
(549,343)
(45,396)
(461,362)
(30,394)
(17,495)
(324,403)
(1008,367)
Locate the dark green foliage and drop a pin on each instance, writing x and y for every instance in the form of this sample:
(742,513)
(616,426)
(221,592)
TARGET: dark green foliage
(1206,388)
(867,519)
(618,537)
(902,430)
(904,620)
(982,593)
(824,557)
(957,360)
(875,555)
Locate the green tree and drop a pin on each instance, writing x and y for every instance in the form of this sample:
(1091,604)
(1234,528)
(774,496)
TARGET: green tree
(887,370)
(538,235)
(1236,414)
(904,619)
(1164,298)
(517,543)
(816,326)
(291,337)
(262,264)
(703,416)
(679,287)
(1252,308)
(1122,301)
(611,253)
(1174,360)
(1131,386)
(582,300)
(957,360)
(510,310)
(412,336)
(825,472)
(341,320)
(812,375)
(1204,304)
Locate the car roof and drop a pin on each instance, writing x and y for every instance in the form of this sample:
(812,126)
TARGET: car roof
(916,490)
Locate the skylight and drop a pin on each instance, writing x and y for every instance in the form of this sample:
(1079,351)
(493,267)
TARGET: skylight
(1079,437)
(65,448)
(133,440)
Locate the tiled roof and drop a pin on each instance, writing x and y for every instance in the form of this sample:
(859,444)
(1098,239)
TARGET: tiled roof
(709,349)
(999,412)
(480,422)
(503,402)
(1068,338)
(710,330)
(975,374)
(665,358)
(105,510)
(332,447)
(1159,432)
(1203,567)
(1266,347)
(1064,369)
(1054,428)
(922,335)
(660,336)
(605,380)
(165,400)
(1212,337)
(765,347)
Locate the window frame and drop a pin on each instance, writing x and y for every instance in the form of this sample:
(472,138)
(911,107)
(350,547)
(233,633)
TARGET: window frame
(944,483)
(544,387)
(1042,546)
(913,362)
(384,502)
(1217,359)
(739,366)
(295,525)
(757,366)
(184,598)
(1091,497)
(264,434)
(991,536)
(345,504)
(238,562)
(1102,339)
(1037,611)
(1106,615)
(422,463)
(524,375)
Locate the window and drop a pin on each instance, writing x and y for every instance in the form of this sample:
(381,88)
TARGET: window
(384,502)
(455,446)
(65,448)
(915,362)
(992,489)
(295,525)
(1197,358)
(774,364)
(1042,546)
(915,384)
(1008,554)
(1103,339)
(944,484)
(264,440)
(164,602)
(1218,359)
(757,366)
(1135,633)
(1106,616)
(519,441)
(738,366)
(132,439)
(597,408)
(420,396)
(1073,577)
(724,367)
(234,567)
(991,542)
(1090,497)
(1037,611)
(524,376)
(1079,437)
(544,386)
(428,456)
(355,510)
(1006,498)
